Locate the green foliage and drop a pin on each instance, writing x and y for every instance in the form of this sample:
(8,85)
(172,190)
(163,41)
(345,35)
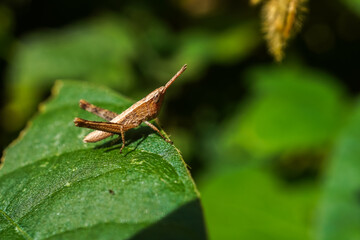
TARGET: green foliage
(103,49)
(339,215)
(290,108)
(97,50)
(263,140)
(92,50)
(292,119)
(53,185)
(250,203)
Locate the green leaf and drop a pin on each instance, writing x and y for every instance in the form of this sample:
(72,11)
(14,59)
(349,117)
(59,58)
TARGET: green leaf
(291,108)
(53,185)
(250,203)
(340,206)
(98,50)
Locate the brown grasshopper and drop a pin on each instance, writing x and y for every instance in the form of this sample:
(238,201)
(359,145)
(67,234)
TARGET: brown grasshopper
(142,111)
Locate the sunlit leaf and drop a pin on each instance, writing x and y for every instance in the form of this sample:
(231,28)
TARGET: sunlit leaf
(54,186)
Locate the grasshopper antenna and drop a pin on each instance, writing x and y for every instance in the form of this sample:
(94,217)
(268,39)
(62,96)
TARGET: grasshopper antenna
(175,77)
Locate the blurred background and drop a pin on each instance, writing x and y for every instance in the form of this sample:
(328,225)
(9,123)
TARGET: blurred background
(273,147)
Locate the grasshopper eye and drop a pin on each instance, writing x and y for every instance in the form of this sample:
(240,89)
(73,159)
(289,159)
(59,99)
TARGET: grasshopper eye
(157,97)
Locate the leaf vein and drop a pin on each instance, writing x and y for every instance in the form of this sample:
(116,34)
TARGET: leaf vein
(17,226)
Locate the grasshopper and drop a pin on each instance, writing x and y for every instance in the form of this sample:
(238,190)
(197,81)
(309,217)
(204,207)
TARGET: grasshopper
(142,111)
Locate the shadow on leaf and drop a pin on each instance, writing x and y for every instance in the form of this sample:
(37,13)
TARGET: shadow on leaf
(131,136)
(186,222)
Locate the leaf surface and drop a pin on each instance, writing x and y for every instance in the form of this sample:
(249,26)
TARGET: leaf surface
(52,185)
